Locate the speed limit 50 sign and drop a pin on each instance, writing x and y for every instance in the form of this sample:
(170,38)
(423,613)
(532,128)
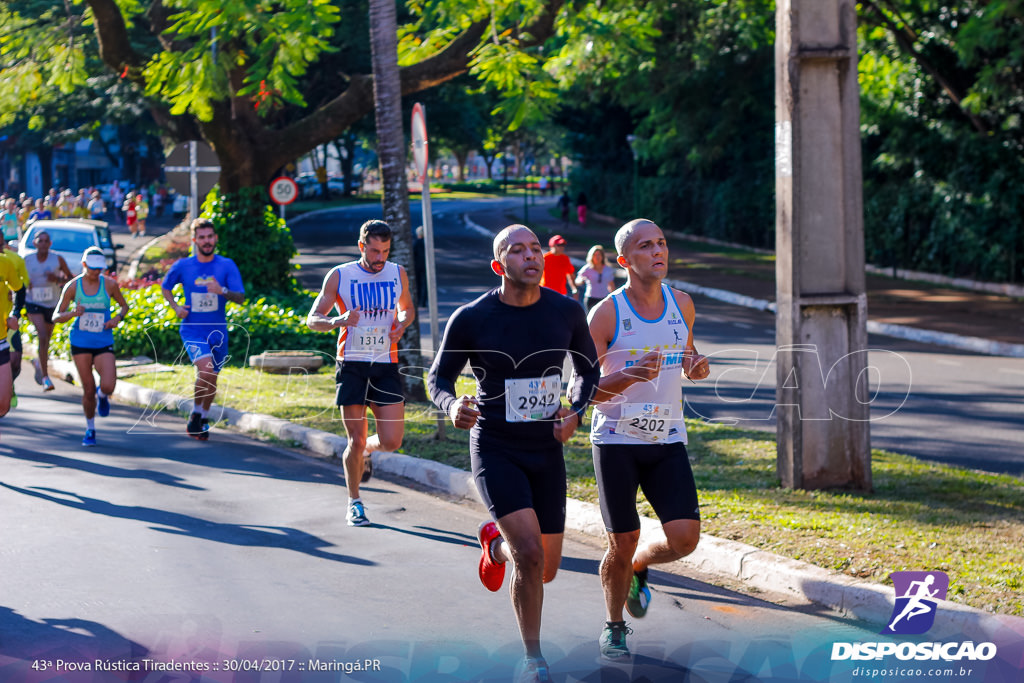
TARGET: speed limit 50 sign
(284,190)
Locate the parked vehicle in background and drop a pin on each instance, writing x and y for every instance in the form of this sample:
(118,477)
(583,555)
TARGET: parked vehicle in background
(179,206)
(309,186)
(70,237)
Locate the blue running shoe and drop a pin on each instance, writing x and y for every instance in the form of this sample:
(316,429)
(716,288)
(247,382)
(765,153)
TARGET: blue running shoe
(90,437)
(357,514)
(102,404)
(533,670)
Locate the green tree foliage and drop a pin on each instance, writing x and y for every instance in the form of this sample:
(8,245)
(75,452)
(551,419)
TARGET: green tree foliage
(942,126)
(943,131)
(699,102)
(251,234)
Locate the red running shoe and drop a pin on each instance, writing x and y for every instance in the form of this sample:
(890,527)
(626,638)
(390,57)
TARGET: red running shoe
(492,572)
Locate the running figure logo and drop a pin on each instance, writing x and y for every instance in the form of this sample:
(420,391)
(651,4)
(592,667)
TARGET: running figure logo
(917,594)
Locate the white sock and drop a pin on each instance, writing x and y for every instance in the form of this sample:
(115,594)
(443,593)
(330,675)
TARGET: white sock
(90,423)
(202,412)
(99,392)
(354,500)
(493,546)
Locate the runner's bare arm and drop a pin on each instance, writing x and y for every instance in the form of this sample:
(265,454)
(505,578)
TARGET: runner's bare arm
(406,311)
(60,315)
(602,330)
(231,295)
(179,310)
(114,290)
(63,272)
(695,366)
(318,319)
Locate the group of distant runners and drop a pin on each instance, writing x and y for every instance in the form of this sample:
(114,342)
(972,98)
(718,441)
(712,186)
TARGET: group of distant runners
(628,359)
(42,286)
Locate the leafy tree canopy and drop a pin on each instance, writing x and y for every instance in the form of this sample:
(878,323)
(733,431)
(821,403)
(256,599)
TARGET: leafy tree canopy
(265,82)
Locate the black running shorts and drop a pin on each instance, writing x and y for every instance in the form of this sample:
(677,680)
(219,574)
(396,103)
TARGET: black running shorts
(511,479)
(661,471)
(98,351)
(361,383)
(36,309)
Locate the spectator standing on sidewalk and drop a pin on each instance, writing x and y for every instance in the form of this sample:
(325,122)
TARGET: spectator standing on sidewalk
(598,277)
(563,205)
(581,209)
(558,269)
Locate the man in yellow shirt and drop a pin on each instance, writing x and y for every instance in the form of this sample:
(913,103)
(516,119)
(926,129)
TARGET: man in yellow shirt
(11,280)
(14,333)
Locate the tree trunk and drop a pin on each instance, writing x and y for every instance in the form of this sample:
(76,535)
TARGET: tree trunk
(391,152)
(461,154)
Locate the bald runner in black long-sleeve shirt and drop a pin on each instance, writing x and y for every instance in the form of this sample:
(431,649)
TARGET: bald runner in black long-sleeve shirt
(515,339)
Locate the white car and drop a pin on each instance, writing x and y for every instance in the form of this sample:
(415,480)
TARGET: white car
(70,237)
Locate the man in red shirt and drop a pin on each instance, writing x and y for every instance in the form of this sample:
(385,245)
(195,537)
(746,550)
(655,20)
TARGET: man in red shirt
(558,270)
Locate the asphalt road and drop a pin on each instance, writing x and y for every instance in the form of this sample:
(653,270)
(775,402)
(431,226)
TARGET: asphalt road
(927,401)
(234,555)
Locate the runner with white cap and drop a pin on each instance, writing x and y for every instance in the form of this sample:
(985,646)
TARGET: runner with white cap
(86,300)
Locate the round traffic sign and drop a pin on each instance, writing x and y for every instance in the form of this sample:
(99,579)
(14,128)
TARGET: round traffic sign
(419,140)
(283,190)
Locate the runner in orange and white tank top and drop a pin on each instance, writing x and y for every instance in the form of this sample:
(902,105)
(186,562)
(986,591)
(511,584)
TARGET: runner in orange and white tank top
(374,308)
(375,295)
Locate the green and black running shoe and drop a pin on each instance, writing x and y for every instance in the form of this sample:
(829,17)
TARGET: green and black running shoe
(639,596)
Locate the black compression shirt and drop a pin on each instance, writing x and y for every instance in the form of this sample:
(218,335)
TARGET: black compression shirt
(502,342)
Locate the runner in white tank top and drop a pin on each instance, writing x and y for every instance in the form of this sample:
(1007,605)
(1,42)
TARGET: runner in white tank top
(47,272)
(374,309)
(643,334)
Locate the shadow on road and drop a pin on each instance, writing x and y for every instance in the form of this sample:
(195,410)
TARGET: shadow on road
(174,523)
(73,640)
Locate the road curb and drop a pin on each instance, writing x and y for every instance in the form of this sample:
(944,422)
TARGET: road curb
(755,568)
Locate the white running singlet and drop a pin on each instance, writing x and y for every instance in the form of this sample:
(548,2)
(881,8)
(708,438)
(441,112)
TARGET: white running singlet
(646,412)
(376,295)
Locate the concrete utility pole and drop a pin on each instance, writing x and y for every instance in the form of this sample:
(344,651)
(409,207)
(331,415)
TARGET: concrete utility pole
(822,392)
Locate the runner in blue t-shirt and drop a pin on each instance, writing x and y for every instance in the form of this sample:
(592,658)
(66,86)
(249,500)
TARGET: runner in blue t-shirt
(209,281)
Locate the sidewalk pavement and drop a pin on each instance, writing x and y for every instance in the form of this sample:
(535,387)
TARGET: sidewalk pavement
(943,311)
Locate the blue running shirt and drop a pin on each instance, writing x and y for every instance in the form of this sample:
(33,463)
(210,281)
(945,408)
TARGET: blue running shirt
(206,310)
